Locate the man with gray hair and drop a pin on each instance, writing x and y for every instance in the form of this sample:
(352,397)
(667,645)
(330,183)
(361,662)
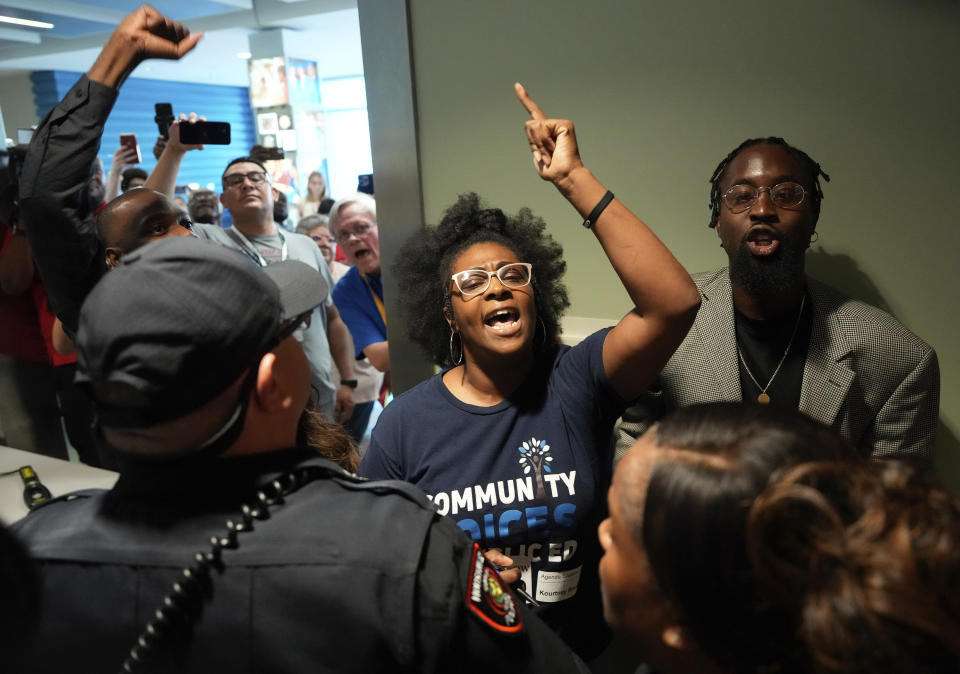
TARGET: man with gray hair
(359,294)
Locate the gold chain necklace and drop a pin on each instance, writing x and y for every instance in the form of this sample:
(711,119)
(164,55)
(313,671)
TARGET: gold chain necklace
(763,398)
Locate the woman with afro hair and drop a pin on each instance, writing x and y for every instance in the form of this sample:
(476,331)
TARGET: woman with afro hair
(512,439)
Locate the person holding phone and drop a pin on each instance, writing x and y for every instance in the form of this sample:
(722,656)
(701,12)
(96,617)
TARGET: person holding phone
(248,196)
(512,439)
(124,158)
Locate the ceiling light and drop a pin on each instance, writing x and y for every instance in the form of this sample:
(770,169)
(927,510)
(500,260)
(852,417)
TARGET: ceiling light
(243,55)
(25,22)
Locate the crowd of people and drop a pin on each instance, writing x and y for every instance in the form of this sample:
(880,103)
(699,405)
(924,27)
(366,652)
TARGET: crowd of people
(771,509)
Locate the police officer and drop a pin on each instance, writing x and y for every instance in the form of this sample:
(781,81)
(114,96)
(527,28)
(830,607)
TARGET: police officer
(223,546)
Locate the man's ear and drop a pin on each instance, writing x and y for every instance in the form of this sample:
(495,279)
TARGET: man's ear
(271,390)
(113,256)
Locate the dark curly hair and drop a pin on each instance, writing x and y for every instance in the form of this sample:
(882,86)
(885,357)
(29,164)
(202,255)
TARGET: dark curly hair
(423,270)
(867,560)
(816,194)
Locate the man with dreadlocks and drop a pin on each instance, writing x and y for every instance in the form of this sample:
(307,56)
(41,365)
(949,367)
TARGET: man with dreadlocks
(768,333)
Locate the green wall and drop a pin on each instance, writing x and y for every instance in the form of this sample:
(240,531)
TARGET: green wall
(660,92)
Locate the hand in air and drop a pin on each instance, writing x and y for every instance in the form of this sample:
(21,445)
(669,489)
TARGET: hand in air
(159,147)
(174,133)
(123,158)
(552,141)
(150,34)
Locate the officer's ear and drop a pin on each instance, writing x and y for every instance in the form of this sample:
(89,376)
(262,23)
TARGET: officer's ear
(273,393)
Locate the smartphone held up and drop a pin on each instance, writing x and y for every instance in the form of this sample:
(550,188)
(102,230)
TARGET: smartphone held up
(128,141)
(205,133)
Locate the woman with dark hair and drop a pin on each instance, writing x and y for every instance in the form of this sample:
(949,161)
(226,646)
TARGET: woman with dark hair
(743,538)
(675,572)
(512,439)
(867,562)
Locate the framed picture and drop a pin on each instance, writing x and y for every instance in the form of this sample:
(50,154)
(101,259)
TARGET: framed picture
(268,82)
(267,123)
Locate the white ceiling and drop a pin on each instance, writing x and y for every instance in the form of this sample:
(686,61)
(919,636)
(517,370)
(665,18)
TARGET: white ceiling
(326,31)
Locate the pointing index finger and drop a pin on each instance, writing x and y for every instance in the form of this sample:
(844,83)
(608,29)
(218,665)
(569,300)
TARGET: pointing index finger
(527,102)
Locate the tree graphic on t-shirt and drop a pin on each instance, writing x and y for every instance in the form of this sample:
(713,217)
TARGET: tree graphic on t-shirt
(535,455)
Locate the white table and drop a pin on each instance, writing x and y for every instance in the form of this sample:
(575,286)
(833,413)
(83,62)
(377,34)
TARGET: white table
(60,477)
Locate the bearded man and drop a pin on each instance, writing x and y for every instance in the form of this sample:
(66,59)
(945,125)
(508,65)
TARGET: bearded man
(768,333)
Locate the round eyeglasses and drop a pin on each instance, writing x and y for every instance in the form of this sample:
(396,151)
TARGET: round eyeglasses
(475,281)
(740,198)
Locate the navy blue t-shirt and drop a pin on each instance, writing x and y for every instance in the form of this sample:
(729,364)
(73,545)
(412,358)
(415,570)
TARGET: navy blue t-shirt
(527,476)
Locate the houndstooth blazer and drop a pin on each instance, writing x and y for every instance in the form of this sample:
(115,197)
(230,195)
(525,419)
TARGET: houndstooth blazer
(866,375)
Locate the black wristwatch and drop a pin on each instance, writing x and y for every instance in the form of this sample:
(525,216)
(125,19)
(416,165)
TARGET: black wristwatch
(349,383)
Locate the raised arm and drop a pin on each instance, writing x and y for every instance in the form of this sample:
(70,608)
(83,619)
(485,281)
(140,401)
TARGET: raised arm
(664,296)
(123,159)
(56,170)
(163,178)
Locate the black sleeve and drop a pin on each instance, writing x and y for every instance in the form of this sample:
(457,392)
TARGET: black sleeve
(463,626)
(62,233)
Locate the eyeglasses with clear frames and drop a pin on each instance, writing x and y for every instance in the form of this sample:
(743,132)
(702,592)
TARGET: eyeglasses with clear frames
(236,179)
(740,198)
(476,281)
(359,229)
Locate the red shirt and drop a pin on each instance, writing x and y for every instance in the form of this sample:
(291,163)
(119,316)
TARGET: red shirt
(27,322)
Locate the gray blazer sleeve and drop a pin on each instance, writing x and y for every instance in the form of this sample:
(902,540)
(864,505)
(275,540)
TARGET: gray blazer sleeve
(906,425)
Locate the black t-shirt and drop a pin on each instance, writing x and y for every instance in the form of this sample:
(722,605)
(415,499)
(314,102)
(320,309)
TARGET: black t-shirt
(762,344)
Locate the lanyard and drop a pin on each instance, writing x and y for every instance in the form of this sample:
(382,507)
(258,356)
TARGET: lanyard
(251,251)
(376,298)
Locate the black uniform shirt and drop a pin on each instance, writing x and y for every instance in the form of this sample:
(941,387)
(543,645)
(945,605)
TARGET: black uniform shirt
(345,575)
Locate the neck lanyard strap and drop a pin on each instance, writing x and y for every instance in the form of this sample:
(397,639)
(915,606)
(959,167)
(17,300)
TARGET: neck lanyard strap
(251,251)
(376,298)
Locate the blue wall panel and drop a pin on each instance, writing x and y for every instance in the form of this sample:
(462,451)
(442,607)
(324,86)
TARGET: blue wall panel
(133,113)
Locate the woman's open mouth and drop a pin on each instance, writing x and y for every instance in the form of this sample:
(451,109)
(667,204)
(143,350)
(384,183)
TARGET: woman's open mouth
(503,321)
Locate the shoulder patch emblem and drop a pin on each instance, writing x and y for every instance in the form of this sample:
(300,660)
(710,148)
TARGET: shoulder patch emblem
(489,598)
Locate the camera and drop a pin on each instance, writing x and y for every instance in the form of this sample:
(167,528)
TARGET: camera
(163,118)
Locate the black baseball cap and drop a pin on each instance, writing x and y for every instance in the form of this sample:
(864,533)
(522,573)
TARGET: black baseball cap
(179,321)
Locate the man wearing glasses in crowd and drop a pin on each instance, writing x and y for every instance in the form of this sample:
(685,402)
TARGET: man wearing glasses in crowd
(248,197)
(766,332)
(73,248)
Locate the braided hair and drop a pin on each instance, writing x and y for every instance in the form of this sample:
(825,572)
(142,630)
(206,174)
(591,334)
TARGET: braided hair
(423,270)
(809,164)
